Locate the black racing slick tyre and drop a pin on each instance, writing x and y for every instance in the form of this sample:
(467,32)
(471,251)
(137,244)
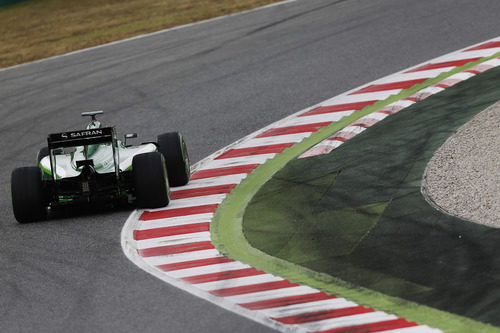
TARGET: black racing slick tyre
(28,197)
(150,180)
(44,151)
(173,147)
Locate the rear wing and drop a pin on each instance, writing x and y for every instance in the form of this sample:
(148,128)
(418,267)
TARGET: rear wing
(84,138)
(81,138)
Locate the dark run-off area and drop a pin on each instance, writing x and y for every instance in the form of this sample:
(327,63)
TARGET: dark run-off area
(358,213)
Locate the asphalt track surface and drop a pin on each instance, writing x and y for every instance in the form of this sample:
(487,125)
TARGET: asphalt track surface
(216,82)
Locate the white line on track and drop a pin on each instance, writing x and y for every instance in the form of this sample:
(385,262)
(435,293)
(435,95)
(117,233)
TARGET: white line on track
(183,257)
(271,294)
(323,305)
(378,95)
(238,282)
(415,75)
(196,201)
(221,180)
(173,240)
(365,318)
(208,269)
(258,142)
(244,160)
(175,221)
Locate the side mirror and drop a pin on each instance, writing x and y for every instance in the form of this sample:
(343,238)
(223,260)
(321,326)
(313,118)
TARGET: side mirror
(129,136)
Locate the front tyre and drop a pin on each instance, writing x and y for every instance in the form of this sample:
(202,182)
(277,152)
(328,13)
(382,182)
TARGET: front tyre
(150,180)
(173,147)
(28,197)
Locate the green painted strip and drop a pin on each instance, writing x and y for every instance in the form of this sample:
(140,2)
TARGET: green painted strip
(45,170)
(227,235)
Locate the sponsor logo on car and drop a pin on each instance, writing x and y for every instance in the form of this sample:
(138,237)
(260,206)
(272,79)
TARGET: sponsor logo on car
(81,134)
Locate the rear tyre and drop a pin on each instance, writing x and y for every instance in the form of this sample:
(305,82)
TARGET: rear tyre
(150,180)
(173,147)
(28,197)
(41,154)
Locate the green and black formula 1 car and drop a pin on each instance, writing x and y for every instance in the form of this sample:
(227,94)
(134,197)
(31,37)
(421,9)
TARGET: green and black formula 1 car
(91,166)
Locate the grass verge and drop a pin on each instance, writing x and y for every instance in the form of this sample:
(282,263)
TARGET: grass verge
(37,29)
